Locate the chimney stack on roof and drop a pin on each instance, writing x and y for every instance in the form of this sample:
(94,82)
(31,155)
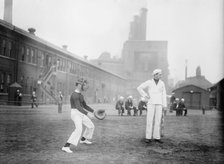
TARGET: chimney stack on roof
(8,11)
(64,47)
(186,61)
(138,26)
(85,57)
(32,30)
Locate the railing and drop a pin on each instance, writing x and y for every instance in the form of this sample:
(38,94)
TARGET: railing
(47,76)
(44,86)
(51,94)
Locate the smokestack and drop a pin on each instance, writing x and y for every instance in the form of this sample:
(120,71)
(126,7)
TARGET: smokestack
(185,69)
(138,26)
(143,23)
(65,47)
(8,11)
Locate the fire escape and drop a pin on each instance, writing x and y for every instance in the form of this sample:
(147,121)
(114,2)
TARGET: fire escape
(46,85)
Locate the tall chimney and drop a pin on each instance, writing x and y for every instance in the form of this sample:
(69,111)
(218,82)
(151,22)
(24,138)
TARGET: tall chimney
(186,69)
(138,26)
(8,11)
(143,23)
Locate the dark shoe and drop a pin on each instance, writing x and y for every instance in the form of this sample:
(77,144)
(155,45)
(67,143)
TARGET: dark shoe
(148,140)
(158,140)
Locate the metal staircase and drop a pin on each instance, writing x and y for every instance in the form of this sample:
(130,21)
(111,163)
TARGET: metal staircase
(49,74)
(46,86)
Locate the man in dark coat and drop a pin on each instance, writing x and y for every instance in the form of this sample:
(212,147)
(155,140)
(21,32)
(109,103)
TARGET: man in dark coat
(142,105)
(172,100)
(176,106)
(19,97)
(129,105)
(34,100)
(183,107)
(180,107)
(119,106)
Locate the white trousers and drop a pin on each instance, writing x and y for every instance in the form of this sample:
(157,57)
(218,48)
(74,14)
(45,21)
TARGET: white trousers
(153,121)
(80,119)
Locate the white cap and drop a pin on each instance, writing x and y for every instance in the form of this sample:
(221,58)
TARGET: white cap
(130,97)
(121,98)
(157,71)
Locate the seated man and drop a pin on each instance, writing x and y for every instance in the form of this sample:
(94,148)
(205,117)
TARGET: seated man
(142,105)
(129,105)
(183,107)
(176,106)
(119,106)
(172,101)
(180,107)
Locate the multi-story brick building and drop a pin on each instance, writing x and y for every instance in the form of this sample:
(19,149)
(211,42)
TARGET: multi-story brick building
(139,57)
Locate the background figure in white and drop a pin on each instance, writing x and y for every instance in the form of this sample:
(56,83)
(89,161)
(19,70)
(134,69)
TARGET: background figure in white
(60,102)
(156,95)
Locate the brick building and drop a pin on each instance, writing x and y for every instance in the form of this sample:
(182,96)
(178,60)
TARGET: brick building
(195,91)
(139,57)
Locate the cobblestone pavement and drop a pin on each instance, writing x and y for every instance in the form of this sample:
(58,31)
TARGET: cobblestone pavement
(37,135)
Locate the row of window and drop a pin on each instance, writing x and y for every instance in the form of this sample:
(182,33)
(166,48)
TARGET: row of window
(32,55)
(27,54)
(6,48)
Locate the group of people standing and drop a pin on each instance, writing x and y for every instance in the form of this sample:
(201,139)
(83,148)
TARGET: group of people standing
(19,96)
(34,102)
(122,105)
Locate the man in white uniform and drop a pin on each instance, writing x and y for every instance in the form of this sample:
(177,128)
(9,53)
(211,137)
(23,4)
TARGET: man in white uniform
(156,95)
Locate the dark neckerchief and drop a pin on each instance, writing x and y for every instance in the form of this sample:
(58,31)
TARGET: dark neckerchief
(156,81)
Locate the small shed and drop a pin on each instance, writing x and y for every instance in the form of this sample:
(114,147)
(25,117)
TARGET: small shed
(195,97)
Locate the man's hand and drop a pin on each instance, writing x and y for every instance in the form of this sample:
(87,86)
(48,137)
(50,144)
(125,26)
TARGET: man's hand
(147,97)
(164,108)
(90,115)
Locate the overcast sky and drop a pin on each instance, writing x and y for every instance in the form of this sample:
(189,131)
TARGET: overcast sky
(193,28)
